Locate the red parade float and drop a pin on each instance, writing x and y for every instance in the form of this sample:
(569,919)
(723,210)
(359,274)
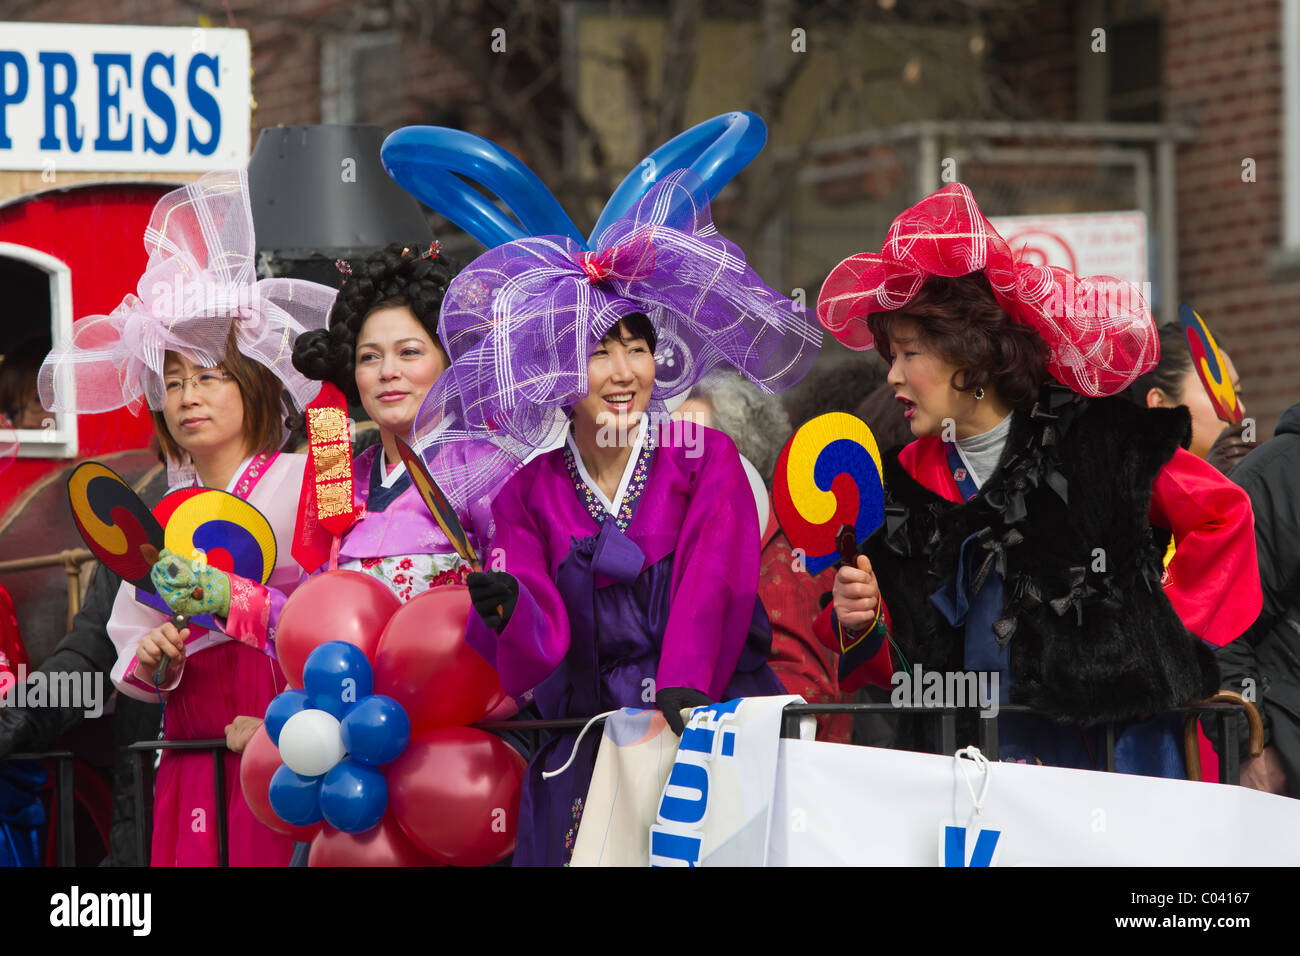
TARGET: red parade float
(66,252)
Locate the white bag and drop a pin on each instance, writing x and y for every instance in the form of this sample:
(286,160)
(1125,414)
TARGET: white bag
(704,803)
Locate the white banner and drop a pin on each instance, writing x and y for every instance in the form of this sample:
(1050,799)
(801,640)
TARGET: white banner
(154,99)
(863,806)
(743,797)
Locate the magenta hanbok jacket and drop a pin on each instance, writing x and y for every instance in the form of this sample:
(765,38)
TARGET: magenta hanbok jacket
(604,617)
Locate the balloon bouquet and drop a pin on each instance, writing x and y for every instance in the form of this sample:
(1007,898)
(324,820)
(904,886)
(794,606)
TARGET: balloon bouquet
(368,756)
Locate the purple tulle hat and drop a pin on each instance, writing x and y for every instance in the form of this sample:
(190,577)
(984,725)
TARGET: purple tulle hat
(520,322)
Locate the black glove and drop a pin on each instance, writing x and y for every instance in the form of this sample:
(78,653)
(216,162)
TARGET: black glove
(17,735)
(493,594)
(672,700)
(1230,448)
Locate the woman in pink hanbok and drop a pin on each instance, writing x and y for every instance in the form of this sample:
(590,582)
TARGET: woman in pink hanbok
(208,347)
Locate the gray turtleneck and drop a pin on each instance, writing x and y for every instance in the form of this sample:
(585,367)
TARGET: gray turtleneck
(981,453)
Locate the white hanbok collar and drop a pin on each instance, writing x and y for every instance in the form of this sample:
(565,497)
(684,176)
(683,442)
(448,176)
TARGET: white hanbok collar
(189,478)
(389,478)
(239,473)
(612,507)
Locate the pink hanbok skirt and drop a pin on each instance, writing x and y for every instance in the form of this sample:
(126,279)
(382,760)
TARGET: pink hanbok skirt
(219,684)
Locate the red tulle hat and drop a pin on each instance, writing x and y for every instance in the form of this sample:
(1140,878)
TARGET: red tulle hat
(1098,330)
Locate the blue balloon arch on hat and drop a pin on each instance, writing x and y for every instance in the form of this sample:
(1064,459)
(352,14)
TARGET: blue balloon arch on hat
(430,161)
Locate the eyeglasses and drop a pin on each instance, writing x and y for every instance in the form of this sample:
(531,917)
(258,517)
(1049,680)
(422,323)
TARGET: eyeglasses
(204,381)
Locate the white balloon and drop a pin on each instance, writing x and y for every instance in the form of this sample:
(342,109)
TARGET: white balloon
(311,742)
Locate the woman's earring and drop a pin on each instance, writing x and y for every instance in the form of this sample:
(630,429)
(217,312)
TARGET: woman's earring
(979,393)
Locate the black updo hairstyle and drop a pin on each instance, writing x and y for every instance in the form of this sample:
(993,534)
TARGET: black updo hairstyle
(393,277)
(1168,375)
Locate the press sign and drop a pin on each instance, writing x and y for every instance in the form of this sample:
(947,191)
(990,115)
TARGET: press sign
(148,99)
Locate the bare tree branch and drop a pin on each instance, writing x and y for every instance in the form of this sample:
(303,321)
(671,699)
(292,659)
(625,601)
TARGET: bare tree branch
(678,69)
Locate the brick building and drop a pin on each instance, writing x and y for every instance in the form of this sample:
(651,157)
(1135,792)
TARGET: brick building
(1230,73)
(1227,67)
(1214,70)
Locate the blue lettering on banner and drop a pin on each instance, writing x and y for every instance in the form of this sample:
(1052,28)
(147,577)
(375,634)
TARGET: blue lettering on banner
(112,100)
(54,100)
(674,839)
(672,849)
(203,104)
(7,96)
(159,102)
(954,847)
(688,778)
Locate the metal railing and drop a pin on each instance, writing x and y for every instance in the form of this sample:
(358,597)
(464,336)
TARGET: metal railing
(64,798)
(71,559)
(144,824)
(1223,709)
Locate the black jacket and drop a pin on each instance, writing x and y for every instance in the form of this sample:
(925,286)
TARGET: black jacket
(1264,663)
(1064,521)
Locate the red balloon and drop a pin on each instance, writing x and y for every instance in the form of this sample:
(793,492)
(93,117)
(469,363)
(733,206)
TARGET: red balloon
(334,606)
(455,793)
(382,845)
(425,664)
(260,761)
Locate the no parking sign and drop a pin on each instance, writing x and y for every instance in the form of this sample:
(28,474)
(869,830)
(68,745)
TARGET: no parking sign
(1088,244)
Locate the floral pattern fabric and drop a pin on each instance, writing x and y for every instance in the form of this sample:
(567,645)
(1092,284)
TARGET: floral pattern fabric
(407,575)
(571,837)
(627,508)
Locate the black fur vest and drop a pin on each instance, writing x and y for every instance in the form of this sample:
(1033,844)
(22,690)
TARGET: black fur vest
(1064,521)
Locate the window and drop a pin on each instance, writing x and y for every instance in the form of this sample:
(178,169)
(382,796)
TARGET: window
(39,287)
(1133,66)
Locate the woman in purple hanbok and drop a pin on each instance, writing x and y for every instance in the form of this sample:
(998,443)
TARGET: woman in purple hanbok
(624,564)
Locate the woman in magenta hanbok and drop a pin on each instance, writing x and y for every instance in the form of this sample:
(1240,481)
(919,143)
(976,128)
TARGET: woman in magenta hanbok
(207,346)
(623,571)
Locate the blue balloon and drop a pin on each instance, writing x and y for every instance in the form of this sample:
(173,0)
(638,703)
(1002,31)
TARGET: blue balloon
(425,161)
(353,797)
(716,150)
(376,730)
(284,706)
(295,798)
(429,161)
(336,676)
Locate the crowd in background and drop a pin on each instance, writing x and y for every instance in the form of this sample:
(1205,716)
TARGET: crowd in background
(384,343)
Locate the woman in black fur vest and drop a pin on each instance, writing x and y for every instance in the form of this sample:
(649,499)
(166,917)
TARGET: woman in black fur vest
(1025,525)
